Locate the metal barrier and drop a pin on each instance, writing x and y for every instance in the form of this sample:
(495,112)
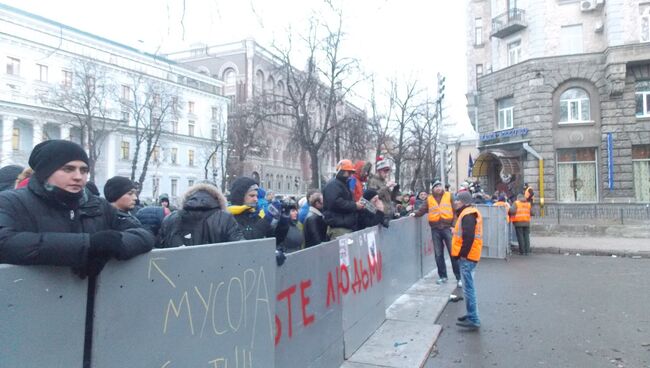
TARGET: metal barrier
(309,312)
(496,236)
(42,317)
(222,305)
(202,306)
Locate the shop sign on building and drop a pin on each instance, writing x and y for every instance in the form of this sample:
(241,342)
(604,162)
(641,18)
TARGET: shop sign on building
(503,134)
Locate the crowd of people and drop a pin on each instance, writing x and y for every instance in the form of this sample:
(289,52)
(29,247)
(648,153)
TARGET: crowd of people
(51,214)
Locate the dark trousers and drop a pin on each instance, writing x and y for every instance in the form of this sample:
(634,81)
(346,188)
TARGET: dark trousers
(523,238)
(442,239)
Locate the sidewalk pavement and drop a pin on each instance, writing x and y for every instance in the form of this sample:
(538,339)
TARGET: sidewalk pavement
(622,247)
(409,332)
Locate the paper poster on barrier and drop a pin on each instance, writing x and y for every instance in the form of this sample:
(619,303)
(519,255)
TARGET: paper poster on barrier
(372,248)
(343,252)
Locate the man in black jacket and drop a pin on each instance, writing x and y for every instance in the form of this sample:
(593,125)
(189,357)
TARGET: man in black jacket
(339,208)
(54,221)
(315,227)
(122,194)
(203,219)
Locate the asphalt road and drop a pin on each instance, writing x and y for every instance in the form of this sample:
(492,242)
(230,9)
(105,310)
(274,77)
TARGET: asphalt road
(553,311)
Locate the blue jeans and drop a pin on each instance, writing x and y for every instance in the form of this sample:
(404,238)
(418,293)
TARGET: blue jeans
(442,239)
(467,269)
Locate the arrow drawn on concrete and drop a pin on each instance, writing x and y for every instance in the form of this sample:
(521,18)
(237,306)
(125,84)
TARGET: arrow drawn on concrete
(153,264)
(169,361)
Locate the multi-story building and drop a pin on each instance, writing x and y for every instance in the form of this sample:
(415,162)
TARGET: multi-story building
(557,92)
(42,57)
(252,73)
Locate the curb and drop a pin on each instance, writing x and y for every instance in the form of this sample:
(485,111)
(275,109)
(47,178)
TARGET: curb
(592,252)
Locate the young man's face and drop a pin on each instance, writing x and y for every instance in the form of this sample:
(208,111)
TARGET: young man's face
(127,201)
(438,189)
(250,199)
(423,195)
(71,177)
(384,173)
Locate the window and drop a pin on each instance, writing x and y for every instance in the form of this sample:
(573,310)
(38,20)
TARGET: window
(574,106)
(479,73)
(642,98)
(42,72)
(174,187)
(90,84)
(514,52)
(645,26)
(174,156)
(155,154)
(229,77)
(505,116)
(190,157)
(126,117)
(67,78)
(190,182)
(155,186)
(190,107)
(13,66)
(126,92)
(215,132)
(641,164)
(259,80)
(214,162)
(215,113)
(571,40)
(478,31)
(576,175)
(175,127)
(175,103)
(15,139)
(190,128)
(124,150)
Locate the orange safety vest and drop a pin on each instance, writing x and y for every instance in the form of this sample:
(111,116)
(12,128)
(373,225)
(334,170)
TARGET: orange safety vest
(506,206)
(442,210)
(523,212)
(457,238)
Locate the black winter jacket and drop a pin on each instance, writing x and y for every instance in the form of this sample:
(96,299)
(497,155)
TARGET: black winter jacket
(315,228)
(37,230)
(203,220)
(339,207)
(294,239)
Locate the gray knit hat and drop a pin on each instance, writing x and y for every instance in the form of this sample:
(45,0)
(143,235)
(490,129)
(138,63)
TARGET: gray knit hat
(464,197)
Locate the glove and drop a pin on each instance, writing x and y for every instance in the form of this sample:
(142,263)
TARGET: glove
(280,257)
(106,244)
(93,267)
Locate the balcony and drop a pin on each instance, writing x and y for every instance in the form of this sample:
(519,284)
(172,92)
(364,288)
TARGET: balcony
(514,20)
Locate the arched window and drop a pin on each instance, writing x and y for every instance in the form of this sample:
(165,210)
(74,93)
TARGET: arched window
(574,106)
(280,88)
(270,85)
(229,77)
(259,80)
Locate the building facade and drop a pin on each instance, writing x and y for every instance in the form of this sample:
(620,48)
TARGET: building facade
(557,92)
(252,73)
(42,58)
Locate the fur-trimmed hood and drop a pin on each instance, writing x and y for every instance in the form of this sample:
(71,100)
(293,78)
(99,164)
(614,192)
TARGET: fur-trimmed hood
(203,196)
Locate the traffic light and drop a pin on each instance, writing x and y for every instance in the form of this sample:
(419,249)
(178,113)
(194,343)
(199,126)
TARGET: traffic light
(441,86)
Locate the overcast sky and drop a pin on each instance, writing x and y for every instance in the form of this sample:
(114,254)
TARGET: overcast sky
(413,39)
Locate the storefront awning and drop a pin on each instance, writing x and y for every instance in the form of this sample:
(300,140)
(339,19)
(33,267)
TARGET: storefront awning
(509,162)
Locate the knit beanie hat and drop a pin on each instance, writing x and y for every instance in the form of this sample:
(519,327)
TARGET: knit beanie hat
(436,183)
(49,156)
(369,194)
(465,197)
(8,175)
(239,188)
(116,187)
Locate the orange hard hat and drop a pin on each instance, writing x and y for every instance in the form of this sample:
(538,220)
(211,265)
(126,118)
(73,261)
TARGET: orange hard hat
(345,165)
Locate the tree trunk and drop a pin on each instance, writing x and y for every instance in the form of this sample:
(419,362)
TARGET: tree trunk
(315,172)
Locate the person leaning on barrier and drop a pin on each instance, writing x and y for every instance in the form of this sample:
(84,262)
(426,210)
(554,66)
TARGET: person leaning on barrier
(501,202)
(256,224)
(373,212)
(520,218)
(315,229)
(55,222)
(202,219)
(121,193)
(339,208)
(466,247)
(441,217)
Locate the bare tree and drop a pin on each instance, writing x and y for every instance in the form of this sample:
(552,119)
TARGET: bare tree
(404,112)
(424,133)
(216,153)
(152,105)
(86,94)
(314,93)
